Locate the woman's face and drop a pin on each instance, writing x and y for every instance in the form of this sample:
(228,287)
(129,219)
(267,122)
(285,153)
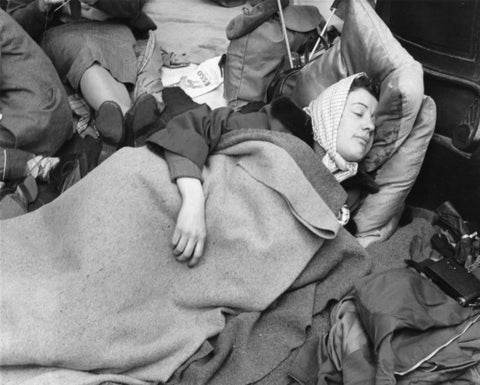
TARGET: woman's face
(357,125)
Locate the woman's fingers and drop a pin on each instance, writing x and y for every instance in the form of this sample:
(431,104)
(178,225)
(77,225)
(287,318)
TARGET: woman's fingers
(187,251)
(176,236)
(198,252)
(186,247)
(180,246)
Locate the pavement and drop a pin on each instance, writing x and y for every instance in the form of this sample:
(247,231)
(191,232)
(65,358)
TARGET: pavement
(197,27)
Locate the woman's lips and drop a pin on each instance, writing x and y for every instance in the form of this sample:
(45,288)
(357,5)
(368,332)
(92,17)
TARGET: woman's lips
(363,140)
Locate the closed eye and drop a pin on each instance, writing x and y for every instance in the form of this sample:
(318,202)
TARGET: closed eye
(359,111)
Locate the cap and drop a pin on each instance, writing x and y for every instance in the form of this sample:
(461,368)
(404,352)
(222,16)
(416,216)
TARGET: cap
(302,18)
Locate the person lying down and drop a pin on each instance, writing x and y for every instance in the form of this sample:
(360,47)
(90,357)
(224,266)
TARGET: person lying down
(96,280)
(342,140)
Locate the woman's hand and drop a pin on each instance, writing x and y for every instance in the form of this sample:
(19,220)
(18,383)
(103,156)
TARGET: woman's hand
(190,231)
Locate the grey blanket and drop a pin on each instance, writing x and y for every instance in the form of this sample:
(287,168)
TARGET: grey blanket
(90,290)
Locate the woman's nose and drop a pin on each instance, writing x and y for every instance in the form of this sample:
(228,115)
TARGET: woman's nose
(369,125)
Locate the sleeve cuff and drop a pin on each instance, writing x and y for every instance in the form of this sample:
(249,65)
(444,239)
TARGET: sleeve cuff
(180,166)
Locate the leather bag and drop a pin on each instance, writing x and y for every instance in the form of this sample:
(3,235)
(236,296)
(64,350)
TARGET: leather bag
(257,49)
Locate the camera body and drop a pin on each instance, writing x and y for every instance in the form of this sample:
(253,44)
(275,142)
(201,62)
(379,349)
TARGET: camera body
(453,278)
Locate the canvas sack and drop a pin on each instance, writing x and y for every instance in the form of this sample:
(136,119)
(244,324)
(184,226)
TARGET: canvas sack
(257,49)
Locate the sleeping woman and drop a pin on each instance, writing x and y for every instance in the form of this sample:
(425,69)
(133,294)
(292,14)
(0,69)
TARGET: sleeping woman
(342,139)
(91,282)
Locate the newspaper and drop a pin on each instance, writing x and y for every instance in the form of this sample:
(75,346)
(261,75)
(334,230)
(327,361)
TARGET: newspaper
(202,82)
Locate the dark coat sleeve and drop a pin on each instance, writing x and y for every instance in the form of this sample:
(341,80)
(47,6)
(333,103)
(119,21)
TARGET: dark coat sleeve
(191,136)
(27,13)
(194,134)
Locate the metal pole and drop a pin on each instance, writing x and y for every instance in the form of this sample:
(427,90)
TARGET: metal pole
(322,33)
(284,31)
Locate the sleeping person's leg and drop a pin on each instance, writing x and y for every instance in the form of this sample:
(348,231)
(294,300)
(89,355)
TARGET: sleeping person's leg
(109,98)
(98,60)
(98,85)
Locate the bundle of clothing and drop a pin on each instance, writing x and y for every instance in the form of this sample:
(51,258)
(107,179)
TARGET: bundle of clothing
(396,328)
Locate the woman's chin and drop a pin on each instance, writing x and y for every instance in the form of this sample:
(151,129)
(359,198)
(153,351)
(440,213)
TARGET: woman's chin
(355,152)
(356,156)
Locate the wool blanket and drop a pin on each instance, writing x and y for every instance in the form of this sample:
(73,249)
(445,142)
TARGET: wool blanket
(261,347)
(89,283)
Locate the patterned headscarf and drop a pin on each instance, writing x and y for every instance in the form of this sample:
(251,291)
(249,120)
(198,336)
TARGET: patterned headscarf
(326,112)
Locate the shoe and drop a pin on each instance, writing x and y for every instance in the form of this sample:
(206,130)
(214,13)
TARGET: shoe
(110,124)
(119,131)
(140,118)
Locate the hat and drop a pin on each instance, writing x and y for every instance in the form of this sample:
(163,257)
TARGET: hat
(302,18)
(326,112)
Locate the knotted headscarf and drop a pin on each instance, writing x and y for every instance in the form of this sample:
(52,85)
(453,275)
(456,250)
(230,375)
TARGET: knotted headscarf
(326,112)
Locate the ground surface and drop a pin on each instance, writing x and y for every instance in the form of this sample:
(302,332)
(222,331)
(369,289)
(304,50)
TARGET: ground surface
(197,27)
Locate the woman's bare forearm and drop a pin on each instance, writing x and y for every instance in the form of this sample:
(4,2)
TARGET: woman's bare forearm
(189,236)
